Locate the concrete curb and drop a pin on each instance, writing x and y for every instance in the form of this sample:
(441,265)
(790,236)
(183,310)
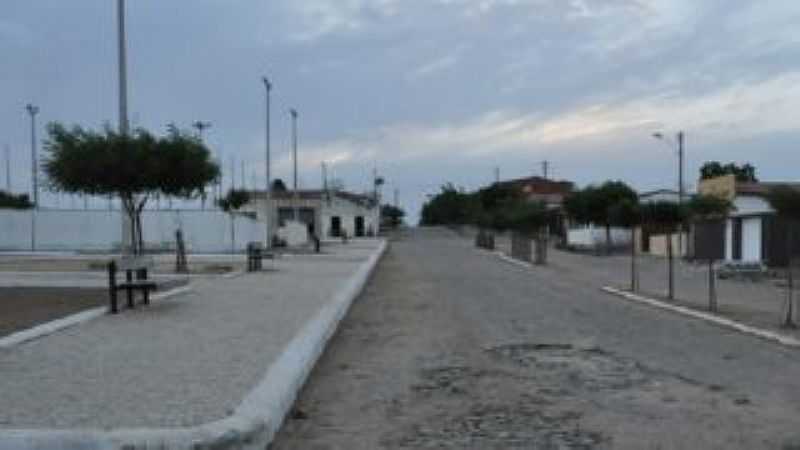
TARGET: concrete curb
(707,317)
(55,326)
(254,423)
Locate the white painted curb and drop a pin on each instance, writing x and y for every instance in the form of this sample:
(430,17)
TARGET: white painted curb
(57,325)
(708,317)
(254,423)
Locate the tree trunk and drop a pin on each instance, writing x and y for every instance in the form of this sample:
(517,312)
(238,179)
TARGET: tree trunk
(233,235)
(789,319)
(608,239)
(634,271)
(712,287)
(671,270)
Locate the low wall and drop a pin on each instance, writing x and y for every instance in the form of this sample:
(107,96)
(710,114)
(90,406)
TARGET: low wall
(591,237)
(99,230)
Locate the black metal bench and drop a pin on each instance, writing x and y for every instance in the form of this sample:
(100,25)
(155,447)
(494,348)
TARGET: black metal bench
(137,266)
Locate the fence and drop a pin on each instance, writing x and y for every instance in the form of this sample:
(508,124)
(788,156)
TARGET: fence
(98,230)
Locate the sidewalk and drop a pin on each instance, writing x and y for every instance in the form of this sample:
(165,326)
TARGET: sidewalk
(181,362)
(759,304)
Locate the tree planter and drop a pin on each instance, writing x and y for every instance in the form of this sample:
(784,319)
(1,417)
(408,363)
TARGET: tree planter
(521,246)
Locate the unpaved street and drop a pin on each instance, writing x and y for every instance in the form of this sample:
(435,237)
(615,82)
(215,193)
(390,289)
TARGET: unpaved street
(453,348)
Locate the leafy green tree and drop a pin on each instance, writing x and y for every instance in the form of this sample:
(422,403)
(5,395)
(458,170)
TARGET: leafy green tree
(134,168)
(785,201)
(666,217)
(231,203)
(714,169)
(10,200)
(530,220)
(451,206)
(393,214)
(592,205)
(278,185)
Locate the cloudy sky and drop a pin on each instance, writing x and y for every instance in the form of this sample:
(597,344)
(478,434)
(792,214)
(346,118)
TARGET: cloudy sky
(427,91)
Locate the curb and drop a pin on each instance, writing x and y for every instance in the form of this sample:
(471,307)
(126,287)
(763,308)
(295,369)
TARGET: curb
(57,325)
(707,317)
(253,424)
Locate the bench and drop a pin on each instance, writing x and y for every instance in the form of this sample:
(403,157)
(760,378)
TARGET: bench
(135,265)
(256,253)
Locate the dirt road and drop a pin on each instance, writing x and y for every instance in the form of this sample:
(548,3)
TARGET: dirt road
(453,348)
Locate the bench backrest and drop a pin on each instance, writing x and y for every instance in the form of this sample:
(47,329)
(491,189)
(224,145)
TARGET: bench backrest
(135,262)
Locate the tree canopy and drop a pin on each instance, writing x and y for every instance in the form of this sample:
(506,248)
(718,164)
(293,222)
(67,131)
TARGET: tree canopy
(278,185)
(593,204)
(10,200)
(234,200)
(713,169)
(785,200)
(664,215)
(708,207)
(132,167)
(393,214)
(451,206)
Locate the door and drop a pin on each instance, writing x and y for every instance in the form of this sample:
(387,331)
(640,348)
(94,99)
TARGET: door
(336,226)
(359,226)
(737,239)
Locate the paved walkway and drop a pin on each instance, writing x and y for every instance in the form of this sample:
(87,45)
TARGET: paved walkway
(181,362)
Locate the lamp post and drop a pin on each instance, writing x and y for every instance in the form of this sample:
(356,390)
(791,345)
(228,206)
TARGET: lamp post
(32,111)
(679,144)
(294,115)
(268,161)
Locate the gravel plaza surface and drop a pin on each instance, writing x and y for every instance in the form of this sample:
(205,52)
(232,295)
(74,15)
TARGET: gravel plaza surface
(181,362)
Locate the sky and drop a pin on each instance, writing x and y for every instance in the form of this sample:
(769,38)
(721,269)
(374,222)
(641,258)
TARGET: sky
(425,91)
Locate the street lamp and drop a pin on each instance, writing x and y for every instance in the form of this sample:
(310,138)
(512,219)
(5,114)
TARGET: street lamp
(679,144)
(294,115)
(268,210)
(201,126)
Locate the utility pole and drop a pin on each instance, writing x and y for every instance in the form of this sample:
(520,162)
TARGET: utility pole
(33,111)
(8,168)
(325,180)
(122,54)
(244,177)
(497,175)
(397,198)
(681,190)
(293,112)
(268,210)
(545,169)
(201,126)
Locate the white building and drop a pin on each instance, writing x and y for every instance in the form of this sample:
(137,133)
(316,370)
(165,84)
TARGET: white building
(328,214)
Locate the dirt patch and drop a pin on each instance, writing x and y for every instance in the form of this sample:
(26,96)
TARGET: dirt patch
(22,308)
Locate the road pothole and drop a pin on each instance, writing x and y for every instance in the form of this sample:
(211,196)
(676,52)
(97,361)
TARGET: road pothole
(588,369)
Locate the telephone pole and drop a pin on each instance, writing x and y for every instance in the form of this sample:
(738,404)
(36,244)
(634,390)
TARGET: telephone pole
(268,211)
(497,175)
(33,111)
(545,169)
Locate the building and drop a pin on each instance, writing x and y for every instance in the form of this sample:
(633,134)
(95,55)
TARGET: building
(328,214)
(752,232)
(551,192)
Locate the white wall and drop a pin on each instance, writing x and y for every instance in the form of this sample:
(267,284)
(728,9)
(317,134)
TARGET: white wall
(592,236)
(98,230)
(749,205)
(347,211)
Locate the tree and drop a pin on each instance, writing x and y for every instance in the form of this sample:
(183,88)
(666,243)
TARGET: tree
(709,208)
(133,167)
(628,214)
(451,206)
(278,185)
(393,214)
(713,169)
(666,217)
(10,200)
(231,203)
(786,203)
(592,205)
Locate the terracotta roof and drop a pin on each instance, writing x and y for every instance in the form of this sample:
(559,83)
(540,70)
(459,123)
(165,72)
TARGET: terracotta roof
(539,185)
(315,194)
(762,188)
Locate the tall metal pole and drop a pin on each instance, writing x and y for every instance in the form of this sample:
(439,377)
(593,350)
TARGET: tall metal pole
(123,69)
(681,190)
(268,209)
(33,111)
(294,156)
(8,169)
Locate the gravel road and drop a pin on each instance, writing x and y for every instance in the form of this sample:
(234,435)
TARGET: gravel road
(450,347)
